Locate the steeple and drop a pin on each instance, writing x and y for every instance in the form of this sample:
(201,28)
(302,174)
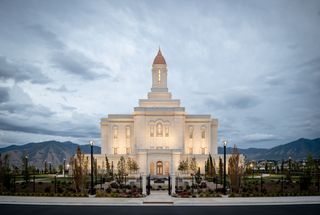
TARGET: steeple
(159,95)
(159,59)
(159,74)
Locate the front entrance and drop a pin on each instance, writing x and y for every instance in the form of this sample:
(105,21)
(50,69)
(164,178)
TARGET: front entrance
(159,168)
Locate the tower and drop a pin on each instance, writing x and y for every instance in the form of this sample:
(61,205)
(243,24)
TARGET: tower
(159,74)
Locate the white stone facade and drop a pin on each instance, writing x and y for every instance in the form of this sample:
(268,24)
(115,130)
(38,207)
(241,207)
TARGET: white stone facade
(159,133)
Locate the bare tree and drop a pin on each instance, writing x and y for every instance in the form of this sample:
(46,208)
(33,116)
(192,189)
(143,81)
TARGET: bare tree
(80,166)
(235,170)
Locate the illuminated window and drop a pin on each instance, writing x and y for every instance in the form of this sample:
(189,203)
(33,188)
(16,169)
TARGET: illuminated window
(127,132)
(151,131)
(167,131)
(203,132)
(128,150)
(115,132)
(159,130)
(159,76)
(190,132)
(115,150)
(190,150)
(203,150)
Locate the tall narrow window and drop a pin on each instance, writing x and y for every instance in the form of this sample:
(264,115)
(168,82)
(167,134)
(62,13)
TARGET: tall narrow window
(159,130)
(127,132)
(159,76)
(128,150)
(151,131)
(190,132)
(115,150)
(203,150)
(167,131)
(115,132)
(203,132)
(190,150)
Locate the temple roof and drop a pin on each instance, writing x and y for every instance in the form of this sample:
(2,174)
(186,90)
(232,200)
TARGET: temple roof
(159,59)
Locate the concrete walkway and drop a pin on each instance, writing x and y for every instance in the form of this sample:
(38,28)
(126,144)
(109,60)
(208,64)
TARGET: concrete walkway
(159,199)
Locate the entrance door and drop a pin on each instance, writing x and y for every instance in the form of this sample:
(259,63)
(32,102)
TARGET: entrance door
(159,168)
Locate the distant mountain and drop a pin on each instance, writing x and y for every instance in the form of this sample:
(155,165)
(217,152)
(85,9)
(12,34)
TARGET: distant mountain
(53,152)
(298,150)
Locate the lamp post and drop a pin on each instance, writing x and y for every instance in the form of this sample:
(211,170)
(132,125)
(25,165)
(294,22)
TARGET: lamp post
(26,169)
(251,165)
(64,167)
(91,142)
(224,166)
(289,168)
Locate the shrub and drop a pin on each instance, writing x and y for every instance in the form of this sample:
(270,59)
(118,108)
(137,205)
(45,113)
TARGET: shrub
(47,189)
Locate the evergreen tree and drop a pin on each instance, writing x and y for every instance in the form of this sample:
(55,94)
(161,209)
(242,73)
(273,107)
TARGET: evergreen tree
(220,169)
(193,166)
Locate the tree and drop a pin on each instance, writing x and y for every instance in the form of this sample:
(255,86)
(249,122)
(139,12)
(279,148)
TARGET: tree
(220,169)
(235,170)
(193,165)
(211,167)
(132,165)
(121,167)
(80,166)
(108,170)
(5,172)
(198,177)
(183,166)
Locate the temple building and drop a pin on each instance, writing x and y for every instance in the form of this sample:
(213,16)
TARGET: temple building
(159,133)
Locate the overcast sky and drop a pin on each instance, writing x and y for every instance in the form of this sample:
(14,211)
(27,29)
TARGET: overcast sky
(254,65)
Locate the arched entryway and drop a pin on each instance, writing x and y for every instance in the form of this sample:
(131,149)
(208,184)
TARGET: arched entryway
(159,168)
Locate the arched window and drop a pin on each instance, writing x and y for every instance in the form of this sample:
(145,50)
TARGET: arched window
(159,130)
(159,168)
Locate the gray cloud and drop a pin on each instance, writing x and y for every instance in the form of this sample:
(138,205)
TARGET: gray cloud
(74,131)
(61,89)
(233,100)
(50,38)
(4,95)
(77,64)
(21,72)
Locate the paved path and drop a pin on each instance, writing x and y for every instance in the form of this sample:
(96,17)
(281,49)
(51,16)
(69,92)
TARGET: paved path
(159,199)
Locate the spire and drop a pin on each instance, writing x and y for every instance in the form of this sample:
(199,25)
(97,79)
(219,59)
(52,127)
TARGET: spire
(159,59)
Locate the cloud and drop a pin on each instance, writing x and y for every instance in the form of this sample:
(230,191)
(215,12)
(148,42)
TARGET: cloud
(232,100)
(259,137)
(77,64)
(4,95)
(47,36)
(19,102)
(21,72)
(62,89)
(68,108)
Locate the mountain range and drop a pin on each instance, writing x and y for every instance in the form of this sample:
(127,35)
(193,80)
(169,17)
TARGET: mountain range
(55,152)
(297,150)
